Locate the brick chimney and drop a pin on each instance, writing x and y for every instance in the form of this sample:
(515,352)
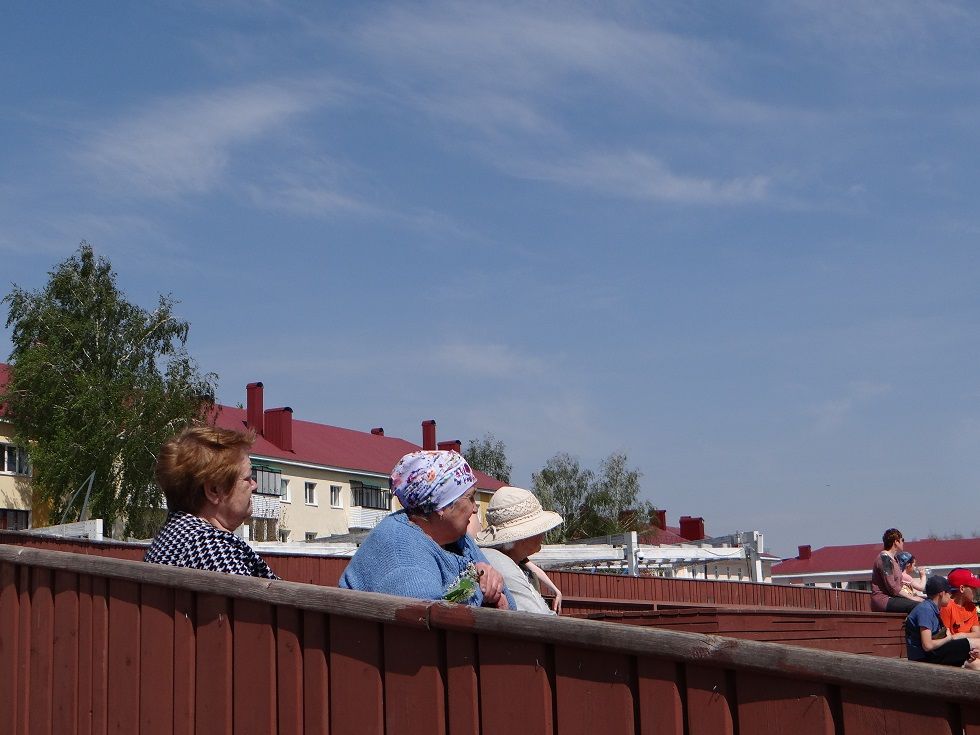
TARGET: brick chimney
(253,407)
(692,528)
(429,435)
(658,518)
(279,427)
(805,552)
(451,446)
(378,431)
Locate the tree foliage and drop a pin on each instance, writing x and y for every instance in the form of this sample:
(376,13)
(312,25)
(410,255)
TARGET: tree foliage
(98,383)
(489,455)
(602,503)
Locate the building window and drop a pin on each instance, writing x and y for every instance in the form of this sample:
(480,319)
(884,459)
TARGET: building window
(309,493)
(370,496)
(13,459)
(310,535)
(837,585)
(284,490)
(14,520)
(335,497)
(267,480)
(283,535)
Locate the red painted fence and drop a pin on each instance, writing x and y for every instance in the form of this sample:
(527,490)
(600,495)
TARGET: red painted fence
(327,570)
(99,645)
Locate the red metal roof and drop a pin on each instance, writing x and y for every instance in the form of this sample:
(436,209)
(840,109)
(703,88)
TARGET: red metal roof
(660,536)
(333,446)
(928,552)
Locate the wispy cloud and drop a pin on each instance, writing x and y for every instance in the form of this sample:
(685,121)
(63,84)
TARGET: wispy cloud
(869,27)
(486,360)
(637,175)
(833,413)
(183,145)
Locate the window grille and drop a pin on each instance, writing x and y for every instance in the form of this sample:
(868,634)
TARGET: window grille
(370,496)
(267,480)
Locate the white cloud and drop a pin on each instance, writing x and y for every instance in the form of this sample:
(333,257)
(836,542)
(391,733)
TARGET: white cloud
(833,413)
(184,144)
(640,176)
(486,360)
(869,26)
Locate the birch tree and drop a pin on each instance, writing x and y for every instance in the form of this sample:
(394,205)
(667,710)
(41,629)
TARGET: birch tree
(98,384)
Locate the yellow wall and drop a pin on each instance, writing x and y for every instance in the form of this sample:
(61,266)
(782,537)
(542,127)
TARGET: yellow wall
(15,490)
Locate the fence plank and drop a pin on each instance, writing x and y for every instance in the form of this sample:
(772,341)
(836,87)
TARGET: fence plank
(356,687)
(213,712)
(413,675)
(867,711)
(595,692)
(9,642)
(156,660)
(254,669)
(124,658)
(64,675)
(289,670)
(515,686)
(100,656)
(42,651)
(316,674)
(185,663)
(970,719)
(462,684)
(710,703)
(768,704)
(84,713)
(23,651)
(660,694)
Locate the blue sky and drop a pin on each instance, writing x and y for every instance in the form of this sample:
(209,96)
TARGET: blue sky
(737,241)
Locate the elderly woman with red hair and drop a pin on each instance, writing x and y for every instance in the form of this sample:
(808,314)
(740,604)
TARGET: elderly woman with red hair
(206,475)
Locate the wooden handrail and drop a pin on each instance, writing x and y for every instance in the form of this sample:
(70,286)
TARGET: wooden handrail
(892,676)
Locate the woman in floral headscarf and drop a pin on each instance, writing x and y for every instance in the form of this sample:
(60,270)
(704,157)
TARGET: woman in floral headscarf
(423,551)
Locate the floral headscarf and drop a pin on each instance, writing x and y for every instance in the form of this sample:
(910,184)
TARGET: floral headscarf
(428,481)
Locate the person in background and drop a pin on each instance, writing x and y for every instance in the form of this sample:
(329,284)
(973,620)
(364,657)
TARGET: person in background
(206,475)
(423,551)
(516,525)
(913,577)
(927,639)
(886,576)
(960,615)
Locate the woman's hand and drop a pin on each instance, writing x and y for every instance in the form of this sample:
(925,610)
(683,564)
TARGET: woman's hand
(556,602)
(492,586)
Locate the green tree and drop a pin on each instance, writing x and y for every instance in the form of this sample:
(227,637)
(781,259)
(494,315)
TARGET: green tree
(489,455)
(602,503)
(98,383)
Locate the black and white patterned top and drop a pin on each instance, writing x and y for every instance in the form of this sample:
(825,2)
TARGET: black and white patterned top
(188,541)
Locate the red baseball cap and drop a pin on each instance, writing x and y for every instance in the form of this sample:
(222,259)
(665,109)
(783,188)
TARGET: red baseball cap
(960,577)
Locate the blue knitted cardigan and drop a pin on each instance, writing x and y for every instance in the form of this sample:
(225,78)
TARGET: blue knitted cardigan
(398,558)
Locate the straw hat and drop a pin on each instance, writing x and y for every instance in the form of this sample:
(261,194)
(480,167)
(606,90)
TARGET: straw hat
(515,514)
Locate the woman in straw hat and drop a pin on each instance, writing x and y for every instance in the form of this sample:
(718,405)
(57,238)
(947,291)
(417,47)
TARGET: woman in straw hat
(516,525)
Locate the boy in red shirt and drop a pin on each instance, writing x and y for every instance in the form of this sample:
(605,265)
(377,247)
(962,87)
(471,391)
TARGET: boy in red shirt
(960,615)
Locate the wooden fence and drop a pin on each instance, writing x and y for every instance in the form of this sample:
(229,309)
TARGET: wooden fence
(92,645)
(876,634)
(327,570)
(578,584)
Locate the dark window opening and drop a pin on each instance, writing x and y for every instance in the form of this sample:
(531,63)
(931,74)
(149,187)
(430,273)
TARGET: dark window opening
(268,480)
(370,496)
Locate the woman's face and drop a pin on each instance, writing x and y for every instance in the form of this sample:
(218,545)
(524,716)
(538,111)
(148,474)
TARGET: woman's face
(235,506)
(449,524)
